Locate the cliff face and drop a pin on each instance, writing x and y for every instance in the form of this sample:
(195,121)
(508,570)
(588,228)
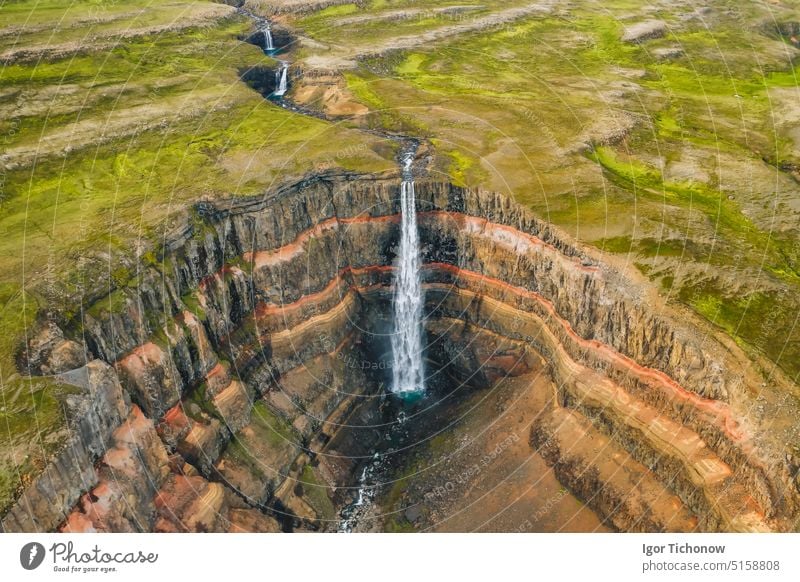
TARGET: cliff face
(94,415)
(231,383)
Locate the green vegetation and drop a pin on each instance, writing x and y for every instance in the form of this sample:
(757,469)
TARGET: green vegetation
(755,320)
(316,494)
(724,214)
(26,446)
(399,524)
(462,169)
(192,303)
(277,431)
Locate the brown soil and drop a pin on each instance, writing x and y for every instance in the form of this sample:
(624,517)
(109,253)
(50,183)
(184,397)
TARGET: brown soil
(483,475)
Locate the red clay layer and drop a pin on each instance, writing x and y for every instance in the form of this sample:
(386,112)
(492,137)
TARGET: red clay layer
(464,221)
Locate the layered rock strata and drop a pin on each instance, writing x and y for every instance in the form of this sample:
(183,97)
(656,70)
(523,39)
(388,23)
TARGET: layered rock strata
(254,348)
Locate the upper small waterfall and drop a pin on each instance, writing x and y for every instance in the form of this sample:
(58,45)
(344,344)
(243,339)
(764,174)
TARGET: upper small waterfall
(280,79)
(407,368)
(268,45)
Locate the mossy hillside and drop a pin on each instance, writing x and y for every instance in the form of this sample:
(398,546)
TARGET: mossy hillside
(335,23)
(60,15)
(494,97)
(69,211)
(84,21)
(141,70)
(730,223)
(163,75)
(764,320)
(758,320)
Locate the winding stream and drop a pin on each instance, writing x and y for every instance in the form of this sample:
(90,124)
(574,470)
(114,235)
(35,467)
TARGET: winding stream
(408,380)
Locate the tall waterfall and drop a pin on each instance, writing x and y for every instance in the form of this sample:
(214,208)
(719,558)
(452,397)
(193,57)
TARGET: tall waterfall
(280,79)
(407,368)
(268,46)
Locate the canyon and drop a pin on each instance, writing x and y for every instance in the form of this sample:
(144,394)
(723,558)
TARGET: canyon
(240,383)
(333,281)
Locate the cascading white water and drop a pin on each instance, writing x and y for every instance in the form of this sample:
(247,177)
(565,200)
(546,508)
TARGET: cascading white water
(268,46)
(280,80)
(407,368)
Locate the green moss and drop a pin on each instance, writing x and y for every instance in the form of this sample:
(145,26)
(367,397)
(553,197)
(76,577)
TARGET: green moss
(399,524)
(652,247)
(240,453)
(708,306)
(150,259)
(722,212)
(340,10)
(115,302)
(384,116)
(359,85)
(266,428)
(629,169)
(755,320)
(619,244)
(274,429)
(461,168)
(31,429)
(192,303)
(317,495)
(411,64)
(397,490)
(607,48)
(122,277)
(329,25)
(199,397)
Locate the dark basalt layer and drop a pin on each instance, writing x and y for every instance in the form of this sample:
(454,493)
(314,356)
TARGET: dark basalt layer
(256,357)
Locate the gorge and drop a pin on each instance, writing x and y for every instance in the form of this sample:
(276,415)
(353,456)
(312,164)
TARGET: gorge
(240,383)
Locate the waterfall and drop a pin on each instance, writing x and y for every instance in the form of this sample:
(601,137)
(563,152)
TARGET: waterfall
(280,79)
(268,46)
(407,369)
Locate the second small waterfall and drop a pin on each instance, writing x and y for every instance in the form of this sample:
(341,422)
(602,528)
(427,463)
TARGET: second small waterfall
(280,80)
(407,368)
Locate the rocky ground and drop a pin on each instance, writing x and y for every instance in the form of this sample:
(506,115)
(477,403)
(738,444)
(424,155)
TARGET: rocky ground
(483,476)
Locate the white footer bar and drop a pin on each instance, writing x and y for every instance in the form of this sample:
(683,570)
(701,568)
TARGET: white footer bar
(401,557)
